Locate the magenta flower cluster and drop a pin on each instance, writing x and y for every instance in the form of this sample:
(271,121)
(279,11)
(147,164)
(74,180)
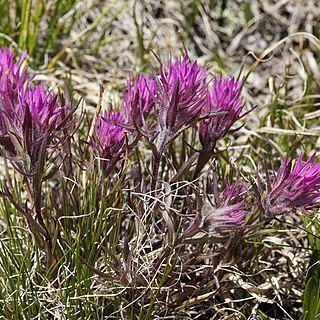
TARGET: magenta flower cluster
(158,107)
(231,211)
(222,108)
(138,101)
(13,75)
(174,100)
(28,114)
(180,96)
(110,143)
(161,106)
(294,187)
(177,97)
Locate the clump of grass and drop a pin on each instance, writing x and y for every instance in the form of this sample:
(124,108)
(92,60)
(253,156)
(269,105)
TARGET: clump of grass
(47,28)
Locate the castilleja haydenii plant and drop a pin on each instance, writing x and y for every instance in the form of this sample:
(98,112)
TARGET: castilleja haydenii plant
(114,215)
(227,214)
(295,186)
(222,108)
(109,139)
(138,101)
(231,210)
(180,94)
(30,117)
(13,75)
(32,124)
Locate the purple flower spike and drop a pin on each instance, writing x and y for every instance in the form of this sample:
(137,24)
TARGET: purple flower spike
(26,121)
(138,100)
(30,123)
(12,79)
(43,107)
(109,137)
(13,75)
(294,187)
(231,211)
(224,96)
(180,96)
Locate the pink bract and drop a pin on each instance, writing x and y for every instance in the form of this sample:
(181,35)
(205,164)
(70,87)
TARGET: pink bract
(294,186)
(224,96)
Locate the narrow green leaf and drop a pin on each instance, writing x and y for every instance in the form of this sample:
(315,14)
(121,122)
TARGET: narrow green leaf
(311,298)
